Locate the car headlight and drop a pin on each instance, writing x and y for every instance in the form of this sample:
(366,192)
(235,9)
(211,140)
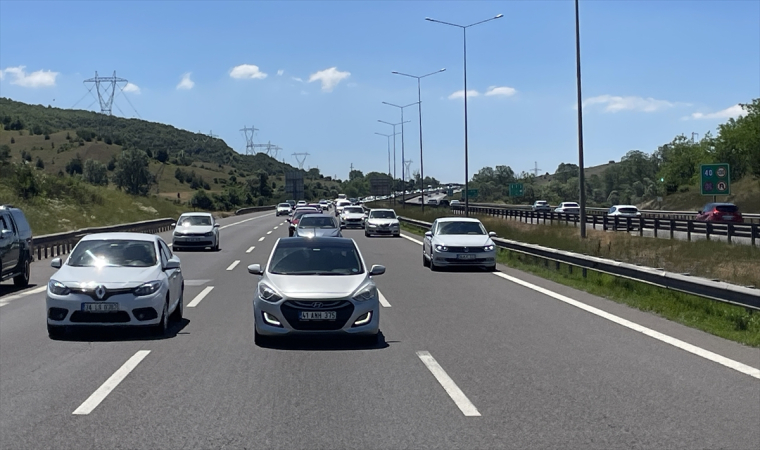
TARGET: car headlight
(58,288)
(364,293)
(268,294)
(209,234)
(441,248)
(148,288)
(488,248)
(395,224)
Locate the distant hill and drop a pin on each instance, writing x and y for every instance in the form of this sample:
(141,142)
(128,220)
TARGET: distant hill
(95,134)
(593,170)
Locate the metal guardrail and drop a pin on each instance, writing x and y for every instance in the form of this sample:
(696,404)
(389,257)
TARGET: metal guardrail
(749,231)
(57,244)
(254,209)
(715,290)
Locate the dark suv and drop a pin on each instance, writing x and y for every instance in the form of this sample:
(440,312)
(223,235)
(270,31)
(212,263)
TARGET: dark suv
(15,246)
(720,212)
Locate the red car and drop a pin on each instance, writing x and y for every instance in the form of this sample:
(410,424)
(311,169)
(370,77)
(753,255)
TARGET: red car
(720,212)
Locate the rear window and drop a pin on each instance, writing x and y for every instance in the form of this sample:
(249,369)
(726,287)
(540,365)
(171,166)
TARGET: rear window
(571,205)
(628,210)
(317,222)
(727,208)
(24,230)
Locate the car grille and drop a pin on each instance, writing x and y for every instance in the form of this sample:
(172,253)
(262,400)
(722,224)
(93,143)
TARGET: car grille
(343,308)
(109,293)
(465,262)
(353,220)
(110,317)
(466,249)
(191,235)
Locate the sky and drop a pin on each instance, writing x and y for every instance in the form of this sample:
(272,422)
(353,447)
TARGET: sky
(311,76)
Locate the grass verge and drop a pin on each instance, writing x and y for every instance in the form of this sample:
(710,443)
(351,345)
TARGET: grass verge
(727,321)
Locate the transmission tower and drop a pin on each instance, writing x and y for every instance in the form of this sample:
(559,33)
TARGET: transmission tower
(249,149)
(106,87)
(301,158)
(407,165)
(270,149)
(535,170)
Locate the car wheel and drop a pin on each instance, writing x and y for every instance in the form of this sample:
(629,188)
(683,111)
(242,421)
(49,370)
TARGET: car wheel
(22,280)
(56,331)
(366,233)
(216,247)
(179,310)
(433,267)
(160,328)
(424,260)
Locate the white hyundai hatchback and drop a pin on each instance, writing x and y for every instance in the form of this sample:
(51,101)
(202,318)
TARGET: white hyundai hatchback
(115,279)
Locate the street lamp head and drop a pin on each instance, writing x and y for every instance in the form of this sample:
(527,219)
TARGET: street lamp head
(394,72)
(499,16)
(442,70)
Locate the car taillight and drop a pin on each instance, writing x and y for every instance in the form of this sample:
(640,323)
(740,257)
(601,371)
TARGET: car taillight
(716,213)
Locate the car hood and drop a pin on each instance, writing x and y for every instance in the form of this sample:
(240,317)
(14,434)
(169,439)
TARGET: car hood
(110,277)
(353,215)
(316,286)
(462,240)
(194,229)
(382,221)
(318,232)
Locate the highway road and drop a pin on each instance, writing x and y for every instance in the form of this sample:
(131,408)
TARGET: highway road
(467,359)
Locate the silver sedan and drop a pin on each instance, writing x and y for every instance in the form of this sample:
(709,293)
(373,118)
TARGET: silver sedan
(458,241)
(317,286)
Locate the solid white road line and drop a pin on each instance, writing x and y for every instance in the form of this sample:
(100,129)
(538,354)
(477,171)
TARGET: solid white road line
(262,238)
(233,265)
(411,239)
(451,388)
(246,220)
(5,300)
(383,301)
(200,297)
(269,232)
(98,396)
(730,363)
(250,249)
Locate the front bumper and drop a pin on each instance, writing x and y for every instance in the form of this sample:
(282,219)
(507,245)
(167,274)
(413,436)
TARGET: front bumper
(286,312)
(68,310)
(451,259)
(353,223)
(193,241)
(378,229)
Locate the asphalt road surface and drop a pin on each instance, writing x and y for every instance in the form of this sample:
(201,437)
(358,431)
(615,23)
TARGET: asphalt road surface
(467,359)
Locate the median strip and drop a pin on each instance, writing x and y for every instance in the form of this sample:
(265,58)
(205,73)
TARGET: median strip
(451,388)
(99,395)
(706,354)
(200,297)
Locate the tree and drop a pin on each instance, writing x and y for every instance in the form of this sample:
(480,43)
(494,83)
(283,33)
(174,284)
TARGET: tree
(39,164)
(264,188)
(354,174)
(26,185)
(111,164)
(162,155)
(95,173)
(201,200)
(75,166)
(132,174)
(5,154)
(13,141)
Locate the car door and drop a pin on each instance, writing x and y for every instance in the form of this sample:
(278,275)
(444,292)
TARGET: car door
(427,242)
(173,275)
(9,247)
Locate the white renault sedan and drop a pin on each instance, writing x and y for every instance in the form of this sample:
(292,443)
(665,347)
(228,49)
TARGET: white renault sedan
(458,241)
(196,230)
(115,279)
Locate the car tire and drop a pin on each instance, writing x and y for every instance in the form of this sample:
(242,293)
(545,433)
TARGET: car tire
(22,279)
(179,310)
(366,233)
(432,265)
(56,331)
(161,327)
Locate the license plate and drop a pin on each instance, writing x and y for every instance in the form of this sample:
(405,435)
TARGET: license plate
(193,239)
(728,217)
(100,307)
(317,315)
(466,256)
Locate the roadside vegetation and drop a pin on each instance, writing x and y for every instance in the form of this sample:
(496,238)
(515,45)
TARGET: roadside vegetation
(727,321)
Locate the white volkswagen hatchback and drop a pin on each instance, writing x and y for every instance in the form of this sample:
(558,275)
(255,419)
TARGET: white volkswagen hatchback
(196,230)
(115,279)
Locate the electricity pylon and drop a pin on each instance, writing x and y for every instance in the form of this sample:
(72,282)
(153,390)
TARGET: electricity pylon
(408,165)
(249,149)
(105,95)
(301,158)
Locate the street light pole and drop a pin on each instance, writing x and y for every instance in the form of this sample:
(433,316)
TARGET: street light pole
(388,136)
(581,171)
(419,104)
(394,156)
(466,168)
(403,185)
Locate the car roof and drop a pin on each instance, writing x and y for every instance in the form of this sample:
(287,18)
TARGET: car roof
(203,214)
(295,242)
(382,209)
(458,219)
(122,236)
(625,206)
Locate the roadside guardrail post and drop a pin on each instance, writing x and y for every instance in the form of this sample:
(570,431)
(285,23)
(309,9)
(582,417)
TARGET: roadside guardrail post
(730,232)
(689,230)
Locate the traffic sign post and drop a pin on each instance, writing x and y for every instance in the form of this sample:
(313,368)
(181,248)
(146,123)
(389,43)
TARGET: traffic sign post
(516,190)
(715,179)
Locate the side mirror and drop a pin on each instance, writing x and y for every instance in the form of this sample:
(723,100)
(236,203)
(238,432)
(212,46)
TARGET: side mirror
(377,270)
(428,234)
(342,226)
(216,225)
(174,224)
(255,269)
(172,264)
(492,233)
(56,263)
(6,234)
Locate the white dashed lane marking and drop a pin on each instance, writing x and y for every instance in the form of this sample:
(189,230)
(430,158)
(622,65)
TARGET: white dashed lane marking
(451,388)
(200,297)
(111,383)
(250,249)
(383,301)
(233,265)
(262,238)
(269,232)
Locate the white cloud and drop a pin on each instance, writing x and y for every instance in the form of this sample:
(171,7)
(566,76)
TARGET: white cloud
(247,71)
(280,72)
(186,82)
(329,78)
(728,113)
(615,103)
(40,78)
(460,94)
(501,90)
(296,79)
(131,88)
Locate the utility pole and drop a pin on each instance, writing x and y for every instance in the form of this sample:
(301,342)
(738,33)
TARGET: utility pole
(249,149)
(105,95)
(535,170)
(581,167)
(301,158)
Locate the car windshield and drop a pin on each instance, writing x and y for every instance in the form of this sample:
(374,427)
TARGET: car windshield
(382,215)
(354,210)
(318,259)
(317,222)
(540,203)
(461,228)
(113,253)
(301,212)
(284,205)
(189,221)
(570,205)
(727,208)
